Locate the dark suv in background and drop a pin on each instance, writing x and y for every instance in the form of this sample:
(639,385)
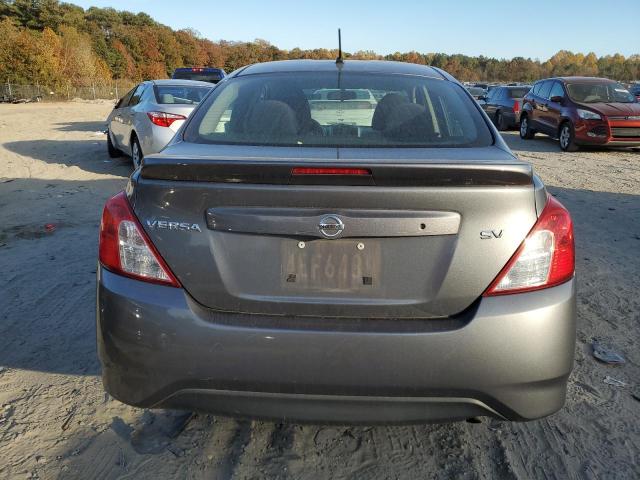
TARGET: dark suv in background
(503,105)
(200,74)
(582,111)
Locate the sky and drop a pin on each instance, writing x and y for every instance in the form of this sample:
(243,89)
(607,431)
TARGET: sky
(502,29)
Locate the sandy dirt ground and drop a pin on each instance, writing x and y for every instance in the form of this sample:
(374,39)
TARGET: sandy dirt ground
(56,421)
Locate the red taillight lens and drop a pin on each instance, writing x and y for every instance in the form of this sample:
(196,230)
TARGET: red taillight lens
(516,106)
(163,119)
(126,249)
(329,171)
(546,257)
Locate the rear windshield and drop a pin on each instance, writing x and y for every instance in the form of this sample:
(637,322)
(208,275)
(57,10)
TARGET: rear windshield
(331,109)
(200,76)
(599,92)
(518,92)
(475,91)
(180,94)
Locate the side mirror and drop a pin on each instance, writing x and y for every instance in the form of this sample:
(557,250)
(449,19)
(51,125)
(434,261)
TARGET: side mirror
(557,99)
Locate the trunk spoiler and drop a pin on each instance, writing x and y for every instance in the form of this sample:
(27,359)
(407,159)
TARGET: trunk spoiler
(280,172)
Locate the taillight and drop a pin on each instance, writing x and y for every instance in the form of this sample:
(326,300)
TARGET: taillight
(125,247)
(329,171)
(163,119)
(546,257)
(516,106)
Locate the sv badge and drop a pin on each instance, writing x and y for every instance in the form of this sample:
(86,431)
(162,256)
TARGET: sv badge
(489,234)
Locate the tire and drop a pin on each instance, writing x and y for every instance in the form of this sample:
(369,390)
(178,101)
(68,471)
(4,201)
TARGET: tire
(525,128)
(113,151)
(501,122)
(566,137)
(136,152)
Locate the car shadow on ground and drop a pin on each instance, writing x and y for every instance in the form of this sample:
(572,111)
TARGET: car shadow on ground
(89,155)
(48,253)
(81,126)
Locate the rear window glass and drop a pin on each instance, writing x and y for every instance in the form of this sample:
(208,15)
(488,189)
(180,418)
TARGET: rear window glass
(180,94)
(331,109)
(198,75)
(475,91)
(518,92)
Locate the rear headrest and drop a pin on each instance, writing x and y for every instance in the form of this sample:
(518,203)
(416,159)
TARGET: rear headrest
(295,98)
(386,103)
(271,118)
(409,122)
(166,98)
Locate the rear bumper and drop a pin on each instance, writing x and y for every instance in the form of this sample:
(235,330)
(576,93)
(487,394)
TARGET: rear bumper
(508,357)
(512,117)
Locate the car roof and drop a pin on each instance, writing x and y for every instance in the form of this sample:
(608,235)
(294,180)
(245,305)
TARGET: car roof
(200,69)
(177,82)
(357,66)
(582,79)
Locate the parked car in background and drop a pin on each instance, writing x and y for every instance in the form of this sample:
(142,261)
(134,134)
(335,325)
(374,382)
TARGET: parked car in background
(278,261)
(582,111)
(200,74)
(346,106)
(148,116)
(478,93)
(503,105)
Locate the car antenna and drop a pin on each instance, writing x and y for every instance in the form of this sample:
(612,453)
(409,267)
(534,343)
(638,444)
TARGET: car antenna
(339,60)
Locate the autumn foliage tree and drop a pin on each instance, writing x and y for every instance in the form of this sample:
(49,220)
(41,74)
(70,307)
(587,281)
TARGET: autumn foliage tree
(60,44)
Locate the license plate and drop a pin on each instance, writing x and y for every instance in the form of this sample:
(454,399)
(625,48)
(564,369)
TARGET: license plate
(331,265)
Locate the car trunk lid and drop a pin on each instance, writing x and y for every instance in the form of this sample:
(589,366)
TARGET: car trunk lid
(420,234)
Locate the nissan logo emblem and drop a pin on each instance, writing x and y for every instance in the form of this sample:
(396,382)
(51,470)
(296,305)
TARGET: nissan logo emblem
(331,226)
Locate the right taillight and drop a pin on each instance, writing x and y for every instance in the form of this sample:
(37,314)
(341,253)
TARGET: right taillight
(546,257)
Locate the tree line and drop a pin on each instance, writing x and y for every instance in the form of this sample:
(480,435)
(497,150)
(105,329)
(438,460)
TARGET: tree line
(59,44)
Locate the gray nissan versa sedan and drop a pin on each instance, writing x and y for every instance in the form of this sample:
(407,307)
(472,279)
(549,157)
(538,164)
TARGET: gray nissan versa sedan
(276,260)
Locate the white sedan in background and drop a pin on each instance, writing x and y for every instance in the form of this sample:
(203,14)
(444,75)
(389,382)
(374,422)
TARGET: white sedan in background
(147,117)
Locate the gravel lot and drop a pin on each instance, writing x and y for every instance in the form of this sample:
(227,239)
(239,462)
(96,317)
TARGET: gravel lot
(57,422)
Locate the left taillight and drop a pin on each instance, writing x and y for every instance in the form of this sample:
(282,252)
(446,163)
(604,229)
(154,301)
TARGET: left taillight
(126,249)
(516,106)
(164,119)
(545,259)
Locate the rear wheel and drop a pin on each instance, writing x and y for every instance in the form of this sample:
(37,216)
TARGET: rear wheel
(525,128)
(113,151)
(567,138)
(501,122)
(136,152)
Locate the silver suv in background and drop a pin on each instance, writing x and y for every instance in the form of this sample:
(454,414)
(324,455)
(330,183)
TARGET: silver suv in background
(148,116)
(296,263)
